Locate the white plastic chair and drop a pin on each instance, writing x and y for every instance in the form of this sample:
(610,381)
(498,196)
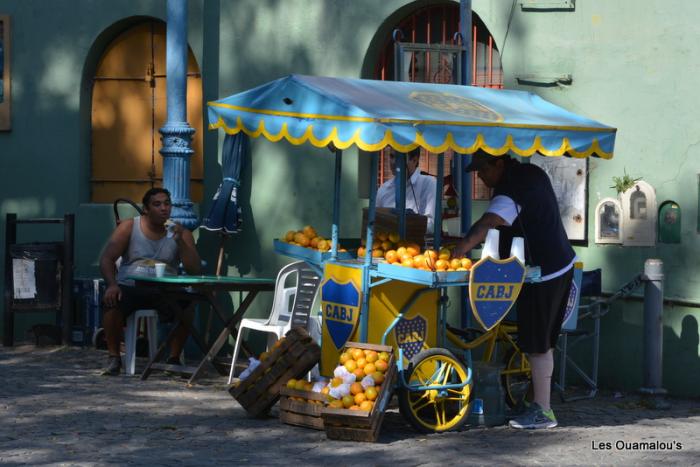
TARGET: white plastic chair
(291,306)
(131,334)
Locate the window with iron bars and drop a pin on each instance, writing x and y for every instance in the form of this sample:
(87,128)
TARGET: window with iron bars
(431,56)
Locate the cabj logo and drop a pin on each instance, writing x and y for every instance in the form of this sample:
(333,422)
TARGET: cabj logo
(410,335)
(341,310)
(457,105)
(494,285)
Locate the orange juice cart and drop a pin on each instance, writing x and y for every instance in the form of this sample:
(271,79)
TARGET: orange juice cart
(372,301)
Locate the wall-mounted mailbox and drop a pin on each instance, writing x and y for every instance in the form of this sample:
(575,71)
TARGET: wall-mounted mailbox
(608,221)
(669,222)
(639,215)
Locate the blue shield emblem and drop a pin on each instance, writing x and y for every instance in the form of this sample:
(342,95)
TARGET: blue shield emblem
(410,335)
(341,310)
(494,285)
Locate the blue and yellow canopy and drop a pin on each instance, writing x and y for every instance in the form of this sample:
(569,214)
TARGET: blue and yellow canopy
(437,117)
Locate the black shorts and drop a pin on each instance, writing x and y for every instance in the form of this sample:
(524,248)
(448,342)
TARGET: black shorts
(137,298)
(541,308)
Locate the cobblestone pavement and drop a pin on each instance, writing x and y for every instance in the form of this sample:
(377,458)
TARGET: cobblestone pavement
(57,410)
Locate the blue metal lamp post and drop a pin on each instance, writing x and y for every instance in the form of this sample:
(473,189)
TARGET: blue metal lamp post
(176,134)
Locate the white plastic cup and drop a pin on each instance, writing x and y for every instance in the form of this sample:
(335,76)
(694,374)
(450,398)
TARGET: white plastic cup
(491,244)
(160,269)
(517,248)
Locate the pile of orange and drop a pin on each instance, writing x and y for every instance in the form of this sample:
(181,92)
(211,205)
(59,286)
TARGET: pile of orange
(308,238)
(383,242)
(363,364)
(428,260)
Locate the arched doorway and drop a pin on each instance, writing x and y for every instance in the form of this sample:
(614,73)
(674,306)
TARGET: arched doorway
(128,108)
(428,33)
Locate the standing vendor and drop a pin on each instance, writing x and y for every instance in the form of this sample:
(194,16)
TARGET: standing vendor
(420,188)
(523,202)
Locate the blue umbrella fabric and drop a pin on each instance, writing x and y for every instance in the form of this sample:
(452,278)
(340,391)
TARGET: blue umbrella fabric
(225,214)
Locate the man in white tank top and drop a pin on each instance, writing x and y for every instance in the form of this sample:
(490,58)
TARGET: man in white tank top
(141,243)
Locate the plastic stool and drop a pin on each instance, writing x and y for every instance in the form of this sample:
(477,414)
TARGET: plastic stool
(131,334)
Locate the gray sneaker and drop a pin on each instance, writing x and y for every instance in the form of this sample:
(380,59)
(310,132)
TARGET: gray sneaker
(114,366)
(534,418)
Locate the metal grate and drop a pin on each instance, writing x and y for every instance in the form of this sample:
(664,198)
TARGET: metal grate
(429,34)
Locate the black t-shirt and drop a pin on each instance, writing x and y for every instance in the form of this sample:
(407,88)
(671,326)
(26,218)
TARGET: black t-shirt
(539,221)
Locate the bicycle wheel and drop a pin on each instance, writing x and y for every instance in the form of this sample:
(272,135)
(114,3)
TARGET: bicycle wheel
(435,410)
(516,377)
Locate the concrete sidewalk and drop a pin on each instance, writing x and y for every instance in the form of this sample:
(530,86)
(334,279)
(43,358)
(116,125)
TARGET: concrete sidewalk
(57,410)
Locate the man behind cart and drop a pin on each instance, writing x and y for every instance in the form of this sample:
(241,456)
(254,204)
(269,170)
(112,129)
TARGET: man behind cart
(524,204)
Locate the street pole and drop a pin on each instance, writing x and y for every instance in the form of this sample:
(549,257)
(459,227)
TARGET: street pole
(176,134)
(653,333)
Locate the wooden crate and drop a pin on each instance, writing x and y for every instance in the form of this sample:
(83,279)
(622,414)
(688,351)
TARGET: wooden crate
(359,425)
(295,412)
(295,357)
(387,221)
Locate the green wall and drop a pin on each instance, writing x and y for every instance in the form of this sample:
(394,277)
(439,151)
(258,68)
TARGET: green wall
(633,68)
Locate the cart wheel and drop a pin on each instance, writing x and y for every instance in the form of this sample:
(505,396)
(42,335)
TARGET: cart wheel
(435,410)
(516,377)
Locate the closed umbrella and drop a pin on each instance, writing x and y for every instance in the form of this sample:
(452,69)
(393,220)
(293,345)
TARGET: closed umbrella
(225,214)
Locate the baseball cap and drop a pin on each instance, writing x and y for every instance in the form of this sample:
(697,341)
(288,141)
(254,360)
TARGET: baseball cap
(479,159)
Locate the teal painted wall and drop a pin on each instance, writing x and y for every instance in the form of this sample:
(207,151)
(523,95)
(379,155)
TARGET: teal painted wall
(637,75)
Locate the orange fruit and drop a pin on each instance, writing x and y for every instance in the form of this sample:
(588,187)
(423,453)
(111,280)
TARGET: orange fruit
(350,365)
(348,401)
(309,231)
(406,257)
(444,253)
(377,253)
(407,262)
(371,356)
(367,406)
(391,257)
(413,249)
(455,263)
(432,254)
(418,261)
(356,388)
(300,385)
(361,362)
(378,377)
(291,383)
(361,252)
(301,239)
(357,353)
(371,393)
(394,237)
(314,242)
(384,356)
(382,236)
(323,245)
(400,251)
(381,365)
(325,390)
(336,404)
(360,398)
(387,245)
(441,265)
(344,357)
(289,236)
(359,374)
(369,369)
(354,407)
(466,263)
(335,382)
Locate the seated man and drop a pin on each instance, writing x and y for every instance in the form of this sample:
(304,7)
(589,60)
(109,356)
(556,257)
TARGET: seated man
(420,189)
(141,242)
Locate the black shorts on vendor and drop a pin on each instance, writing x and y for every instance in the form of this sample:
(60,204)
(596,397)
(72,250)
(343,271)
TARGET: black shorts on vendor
(138,298)
(541,307)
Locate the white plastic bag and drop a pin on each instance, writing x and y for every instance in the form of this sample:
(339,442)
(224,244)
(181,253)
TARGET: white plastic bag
(252,365)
